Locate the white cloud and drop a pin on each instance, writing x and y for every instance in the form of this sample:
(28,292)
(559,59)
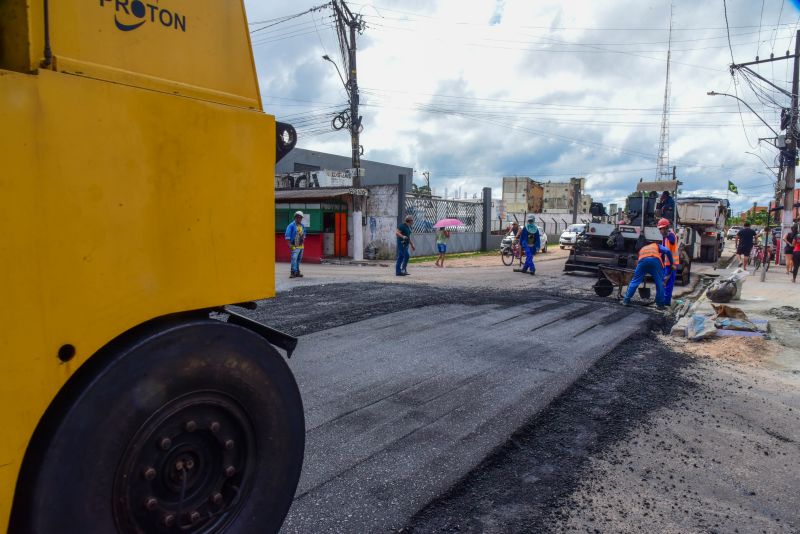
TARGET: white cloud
(473,90)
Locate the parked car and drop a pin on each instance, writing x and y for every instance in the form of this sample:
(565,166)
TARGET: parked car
(732,231)
(508,240)
(570,236)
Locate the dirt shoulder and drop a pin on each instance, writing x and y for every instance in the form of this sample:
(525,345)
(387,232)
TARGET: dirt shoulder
(682,437)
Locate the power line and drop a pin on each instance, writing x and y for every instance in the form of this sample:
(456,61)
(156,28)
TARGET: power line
(575,28)
(280,20)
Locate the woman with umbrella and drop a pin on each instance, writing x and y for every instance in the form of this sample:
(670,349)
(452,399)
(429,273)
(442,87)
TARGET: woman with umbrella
(442,235)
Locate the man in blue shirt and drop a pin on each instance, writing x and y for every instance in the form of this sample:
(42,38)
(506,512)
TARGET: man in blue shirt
(295,236)
(403,234)
(531,241)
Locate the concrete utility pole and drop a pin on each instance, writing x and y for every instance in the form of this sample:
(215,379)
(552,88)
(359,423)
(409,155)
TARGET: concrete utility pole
(786,173)
(576,198)
(791,135)
(347,24)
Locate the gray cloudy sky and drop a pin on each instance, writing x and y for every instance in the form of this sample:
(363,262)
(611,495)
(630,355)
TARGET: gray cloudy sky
(474,90)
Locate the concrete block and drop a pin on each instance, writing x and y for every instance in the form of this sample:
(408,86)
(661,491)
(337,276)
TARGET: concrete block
(679,328)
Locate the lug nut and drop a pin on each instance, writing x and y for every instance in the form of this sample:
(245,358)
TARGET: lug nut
(216,499)
(229,444)
(194,516)
(191,426)
(215,427)
(189,464)
(149,473)
(230,471)
(150,503)
(165,443)
(179,465)
(169,520)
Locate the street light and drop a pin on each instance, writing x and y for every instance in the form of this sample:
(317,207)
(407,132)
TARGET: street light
(714,93)
(762,161)
(326,57)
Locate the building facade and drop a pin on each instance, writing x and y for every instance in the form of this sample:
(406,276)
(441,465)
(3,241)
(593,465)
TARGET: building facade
(522,195)
(559,196)
(321,186)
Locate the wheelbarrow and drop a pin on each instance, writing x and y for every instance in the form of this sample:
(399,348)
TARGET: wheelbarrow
(619,277)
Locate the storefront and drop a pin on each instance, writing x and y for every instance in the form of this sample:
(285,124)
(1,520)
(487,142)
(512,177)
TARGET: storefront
(325,218)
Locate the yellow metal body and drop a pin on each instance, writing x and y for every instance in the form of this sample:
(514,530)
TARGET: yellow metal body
(136,180)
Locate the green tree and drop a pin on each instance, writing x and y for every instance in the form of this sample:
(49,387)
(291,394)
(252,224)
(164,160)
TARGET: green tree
(420,191)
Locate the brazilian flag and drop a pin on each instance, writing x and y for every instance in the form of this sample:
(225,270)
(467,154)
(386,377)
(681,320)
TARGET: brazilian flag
(732,188)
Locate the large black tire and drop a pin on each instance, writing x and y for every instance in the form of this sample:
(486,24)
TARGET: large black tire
(197,427)
(507,256)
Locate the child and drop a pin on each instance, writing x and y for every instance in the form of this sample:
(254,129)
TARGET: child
(442,235)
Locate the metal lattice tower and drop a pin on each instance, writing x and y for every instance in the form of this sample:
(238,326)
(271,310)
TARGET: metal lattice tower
(662,166)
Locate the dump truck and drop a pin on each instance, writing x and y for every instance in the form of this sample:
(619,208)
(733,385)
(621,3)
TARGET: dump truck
(702,226)
(136,207)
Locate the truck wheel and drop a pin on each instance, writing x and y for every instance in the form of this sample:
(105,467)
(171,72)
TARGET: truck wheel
(194,428)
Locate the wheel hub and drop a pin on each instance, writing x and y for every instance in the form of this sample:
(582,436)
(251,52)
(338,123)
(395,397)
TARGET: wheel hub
(187,468)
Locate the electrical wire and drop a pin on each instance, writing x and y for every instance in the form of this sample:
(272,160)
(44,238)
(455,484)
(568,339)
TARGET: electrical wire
(280,20)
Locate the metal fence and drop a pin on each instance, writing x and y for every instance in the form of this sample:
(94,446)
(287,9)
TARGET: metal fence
(552,225)
(428,211)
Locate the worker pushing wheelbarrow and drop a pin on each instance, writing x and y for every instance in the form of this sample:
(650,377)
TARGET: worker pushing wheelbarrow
(651,262)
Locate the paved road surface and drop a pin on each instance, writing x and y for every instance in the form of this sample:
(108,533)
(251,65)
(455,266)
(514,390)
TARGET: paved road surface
(400,406)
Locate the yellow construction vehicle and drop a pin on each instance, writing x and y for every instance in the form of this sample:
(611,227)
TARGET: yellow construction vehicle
(136,202)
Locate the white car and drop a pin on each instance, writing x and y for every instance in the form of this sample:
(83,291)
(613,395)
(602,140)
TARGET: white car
(508,239)
(732,231)
(570,236)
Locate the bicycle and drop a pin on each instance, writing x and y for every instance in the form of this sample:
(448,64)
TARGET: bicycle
(761,256)
(509,254)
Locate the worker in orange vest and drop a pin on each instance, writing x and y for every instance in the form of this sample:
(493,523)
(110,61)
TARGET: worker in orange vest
(670,241)
(651,261)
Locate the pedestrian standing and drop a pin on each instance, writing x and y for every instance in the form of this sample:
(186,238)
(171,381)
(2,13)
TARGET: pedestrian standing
(788,248)
(531,241)
(670,242)
(442,235)
(403,234)
(651,261)
(295,236)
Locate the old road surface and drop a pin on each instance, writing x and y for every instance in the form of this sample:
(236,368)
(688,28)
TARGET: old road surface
(401,405)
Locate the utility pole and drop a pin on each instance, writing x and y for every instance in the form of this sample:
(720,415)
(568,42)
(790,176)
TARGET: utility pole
(427,175)
(788,156)
(576,198)
(347,24)
(791,136)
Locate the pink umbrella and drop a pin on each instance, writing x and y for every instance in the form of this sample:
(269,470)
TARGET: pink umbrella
(446,223)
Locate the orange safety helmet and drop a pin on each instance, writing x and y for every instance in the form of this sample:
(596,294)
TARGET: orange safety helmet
(663,223)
